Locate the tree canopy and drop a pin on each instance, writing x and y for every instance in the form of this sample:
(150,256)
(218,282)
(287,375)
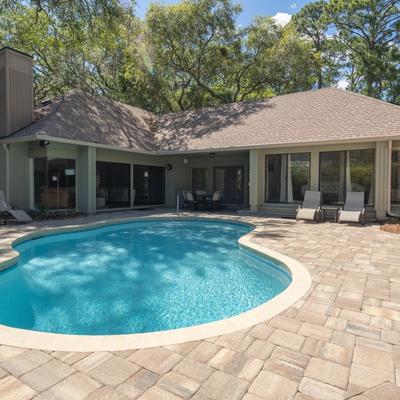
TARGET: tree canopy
(195,54)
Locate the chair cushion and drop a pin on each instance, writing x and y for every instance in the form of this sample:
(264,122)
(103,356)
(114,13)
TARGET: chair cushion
(306,213)
(349,216)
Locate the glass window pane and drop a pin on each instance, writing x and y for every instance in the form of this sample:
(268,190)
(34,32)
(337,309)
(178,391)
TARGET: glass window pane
(395,190)
(149,183)
(360,173)
(298,176)
(199,179)
(276,178)
(113,182)
(55,183)
(229,180)
(332,176)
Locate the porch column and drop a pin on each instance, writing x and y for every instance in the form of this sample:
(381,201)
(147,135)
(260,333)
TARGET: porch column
(86,180)
(314,173)
(382,189)
(254,178)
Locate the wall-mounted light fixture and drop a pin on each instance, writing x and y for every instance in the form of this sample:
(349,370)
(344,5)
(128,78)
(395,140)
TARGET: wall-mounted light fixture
(185,161)
(211,155)
(169,167)
(44,143)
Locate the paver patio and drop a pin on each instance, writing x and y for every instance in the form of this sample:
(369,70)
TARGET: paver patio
(341,341)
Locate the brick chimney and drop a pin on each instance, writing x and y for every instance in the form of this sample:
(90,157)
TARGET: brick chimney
(16,91)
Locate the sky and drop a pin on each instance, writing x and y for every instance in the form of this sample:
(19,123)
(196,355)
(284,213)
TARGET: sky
(281,9)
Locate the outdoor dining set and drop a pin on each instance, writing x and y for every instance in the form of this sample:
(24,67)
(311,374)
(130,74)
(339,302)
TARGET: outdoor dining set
(201,200)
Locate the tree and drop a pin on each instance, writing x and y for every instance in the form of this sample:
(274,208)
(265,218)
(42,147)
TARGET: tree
(313,22)
(203,58)
(74,43)
(370,32)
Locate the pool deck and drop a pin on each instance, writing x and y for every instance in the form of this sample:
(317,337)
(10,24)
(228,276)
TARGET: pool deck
(340,341)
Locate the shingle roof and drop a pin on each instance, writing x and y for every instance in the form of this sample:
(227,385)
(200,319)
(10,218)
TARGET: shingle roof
(308,117)
(314,116)
(84,117)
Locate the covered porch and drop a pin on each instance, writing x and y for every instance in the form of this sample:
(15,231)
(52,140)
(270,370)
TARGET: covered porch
(280,176)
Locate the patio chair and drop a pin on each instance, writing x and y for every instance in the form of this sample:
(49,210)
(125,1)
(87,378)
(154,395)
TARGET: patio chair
(353,209)
(188,201)
(6,210)
(310,210)
(215,202)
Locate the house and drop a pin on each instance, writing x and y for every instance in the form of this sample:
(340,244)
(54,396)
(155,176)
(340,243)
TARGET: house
(91,153)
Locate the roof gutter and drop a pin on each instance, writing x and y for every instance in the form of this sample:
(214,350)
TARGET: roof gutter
(36,137)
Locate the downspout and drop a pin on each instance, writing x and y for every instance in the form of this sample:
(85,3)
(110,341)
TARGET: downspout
(6,148)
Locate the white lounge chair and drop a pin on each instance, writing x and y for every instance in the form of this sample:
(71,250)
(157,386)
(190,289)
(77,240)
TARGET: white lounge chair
(310,210)
(353,209)
(5,208)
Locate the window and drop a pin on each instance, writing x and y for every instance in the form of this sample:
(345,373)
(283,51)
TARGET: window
(149,183)
(113,182)
(332,172)
(199,179)
(395,189)
(54,183)
(287,177)
(360,173)
(347,171)
(229,180)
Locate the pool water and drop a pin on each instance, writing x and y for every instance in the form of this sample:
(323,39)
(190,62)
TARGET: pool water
(136,277)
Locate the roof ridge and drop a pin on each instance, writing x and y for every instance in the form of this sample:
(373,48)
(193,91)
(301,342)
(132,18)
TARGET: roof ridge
(304,92)
(365,97)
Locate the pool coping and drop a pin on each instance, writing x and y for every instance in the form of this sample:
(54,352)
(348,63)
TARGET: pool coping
(301,283)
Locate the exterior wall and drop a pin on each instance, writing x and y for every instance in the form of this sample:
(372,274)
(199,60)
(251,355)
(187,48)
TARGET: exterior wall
(3,171)
(382,165)
(16,91)
(19,176)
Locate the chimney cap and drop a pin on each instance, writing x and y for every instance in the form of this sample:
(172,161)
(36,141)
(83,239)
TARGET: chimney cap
(17,51)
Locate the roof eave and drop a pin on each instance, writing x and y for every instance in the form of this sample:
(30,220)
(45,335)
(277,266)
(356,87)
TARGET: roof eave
(34,137)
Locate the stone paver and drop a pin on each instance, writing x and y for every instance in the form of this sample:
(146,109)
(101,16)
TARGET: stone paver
(47,375)
(341,341)
(270,386)
(114,371)
(13,389)
(75,387)
(159,361)
(328,372)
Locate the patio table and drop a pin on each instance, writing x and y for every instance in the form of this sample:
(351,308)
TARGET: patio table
(324,209)
(203,199)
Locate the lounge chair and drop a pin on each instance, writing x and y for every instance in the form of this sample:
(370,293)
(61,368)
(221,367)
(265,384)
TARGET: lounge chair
(7,210)
(310,210)
(353,209)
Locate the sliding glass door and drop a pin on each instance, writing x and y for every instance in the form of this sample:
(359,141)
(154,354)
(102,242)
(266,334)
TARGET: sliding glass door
(287,177)
(113,182)
(230,180)
(347,171)
(54,183)
(199,179)
(276,178)
(395,189)
(149,184)
(332,176)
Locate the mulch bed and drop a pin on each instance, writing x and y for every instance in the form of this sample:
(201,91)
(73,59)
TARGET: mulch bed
(391,226)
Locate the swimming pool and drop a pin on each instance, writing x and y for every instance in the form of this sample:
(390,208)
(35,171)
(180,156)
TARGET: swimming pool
(136,277)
